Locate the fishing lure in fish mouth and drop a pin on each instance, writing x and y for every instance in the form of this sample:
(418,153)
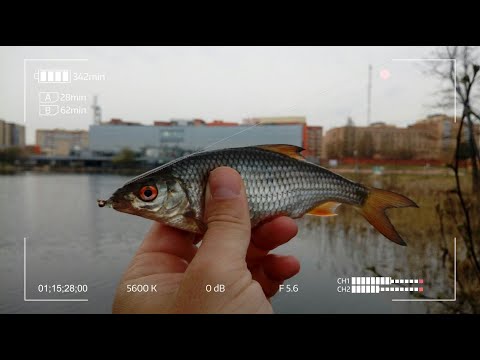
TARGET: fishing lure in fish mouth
(278,181)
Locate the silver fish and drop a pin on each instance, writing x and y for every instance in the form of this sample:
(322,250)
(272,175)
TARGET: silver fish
(278,181)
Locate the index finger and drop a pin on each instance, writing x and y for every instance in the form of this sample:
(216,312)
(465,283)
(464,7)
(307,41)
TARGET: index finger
(164,239)
(274,233)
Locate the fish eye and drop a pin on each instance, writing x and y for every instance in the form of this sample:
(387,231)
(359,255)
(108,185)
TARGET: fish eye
(148,193)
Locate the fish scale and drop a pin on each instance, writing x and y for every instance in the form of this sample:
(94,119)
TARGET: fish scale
(278,181)
(275,184)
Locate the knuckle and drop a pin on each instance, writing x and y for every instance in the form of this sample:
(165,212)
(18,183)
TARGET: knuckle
(222,228)
(223,218)
(204,269)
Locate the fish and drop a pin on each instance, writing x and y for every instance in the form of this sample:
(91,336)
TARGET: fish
(278,181)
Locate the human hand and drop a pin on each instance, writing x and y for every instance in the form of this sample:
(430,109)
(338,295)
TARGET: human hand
(231,254)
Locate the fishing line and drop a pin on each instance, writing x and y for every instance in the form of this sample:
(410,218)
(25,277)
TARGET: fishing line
(205,148)
(141,176)
(228,137)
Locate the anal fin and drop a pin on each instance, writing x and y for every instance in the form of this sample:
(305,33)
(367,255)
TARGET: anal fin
(325,209)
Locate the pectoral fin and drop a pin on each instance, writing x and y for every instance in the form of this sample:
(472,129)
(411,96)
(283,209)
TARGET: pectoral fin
(194,224)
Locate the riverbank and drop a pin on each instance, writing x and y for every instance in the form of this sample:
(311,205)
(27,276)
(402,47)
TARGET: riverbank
(348,171)
(12,170)
(7,169)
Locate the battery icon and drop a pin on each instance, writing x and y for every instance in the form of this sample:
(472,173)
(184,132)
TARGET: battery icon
(53,76)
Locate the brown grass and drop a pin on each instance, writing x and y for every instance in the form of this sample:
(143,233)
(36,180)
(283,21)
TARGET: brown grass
(432,227)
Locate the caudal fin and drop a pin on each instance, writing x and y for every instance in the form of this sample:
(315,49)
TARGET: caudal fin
(374,207)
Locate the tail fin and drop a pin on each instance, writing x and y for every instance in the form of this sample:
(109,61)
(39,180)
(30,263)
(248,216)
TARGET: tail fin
(373,209)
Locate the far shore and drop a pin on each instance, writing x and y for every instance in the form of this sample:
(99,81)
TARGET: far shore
(13,170)
(7,169)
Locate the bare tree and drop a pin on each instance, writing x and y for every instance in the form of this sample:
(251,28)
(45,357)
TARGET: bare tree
(461,76)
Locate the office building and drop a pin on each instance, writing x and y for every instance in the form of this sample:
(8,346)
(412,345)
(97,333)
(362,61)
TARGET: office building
(62,142)
(11,134)
(430,138)
(111,139)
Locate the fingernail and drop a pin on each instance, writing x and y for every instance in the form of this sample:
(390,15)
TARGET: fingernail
(224,183)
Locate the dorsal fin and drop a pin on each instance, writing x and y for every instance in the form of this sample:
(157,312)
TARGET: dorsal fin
(288,150)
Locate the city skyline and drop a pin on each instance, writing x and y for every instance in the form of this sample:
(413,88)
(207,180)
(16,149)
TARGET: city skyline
(325,84)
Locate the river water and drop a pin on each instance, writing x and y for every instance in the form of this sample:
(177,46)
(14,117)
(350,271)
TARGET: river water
(69,240)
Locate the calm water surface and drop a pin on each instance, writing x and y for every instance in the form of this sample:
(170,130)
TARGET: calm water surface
(72,241)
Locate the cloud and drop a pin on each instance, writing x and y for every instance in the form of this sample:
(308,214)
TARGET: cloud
(326,84)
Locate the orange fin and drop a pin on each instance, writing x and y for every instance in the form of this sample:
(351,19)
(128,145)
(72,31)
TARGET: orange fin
(326,209)
(288,150)
(373,209)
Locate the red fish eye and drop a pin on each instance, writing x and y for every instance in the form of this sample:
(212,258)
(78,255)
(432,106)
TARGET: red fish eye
(148,193)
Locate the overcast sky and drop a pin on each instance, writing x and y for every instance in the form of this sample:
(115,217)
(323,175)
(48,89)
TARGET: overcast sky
(325,84)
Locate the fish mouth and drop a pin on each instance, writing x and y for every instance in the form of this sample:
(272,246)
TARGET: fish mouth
(103,203)
(111,203)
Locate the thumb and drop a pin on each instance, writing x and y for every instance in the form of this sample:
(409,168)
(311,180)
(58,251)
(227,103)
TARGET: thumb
(226,215)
